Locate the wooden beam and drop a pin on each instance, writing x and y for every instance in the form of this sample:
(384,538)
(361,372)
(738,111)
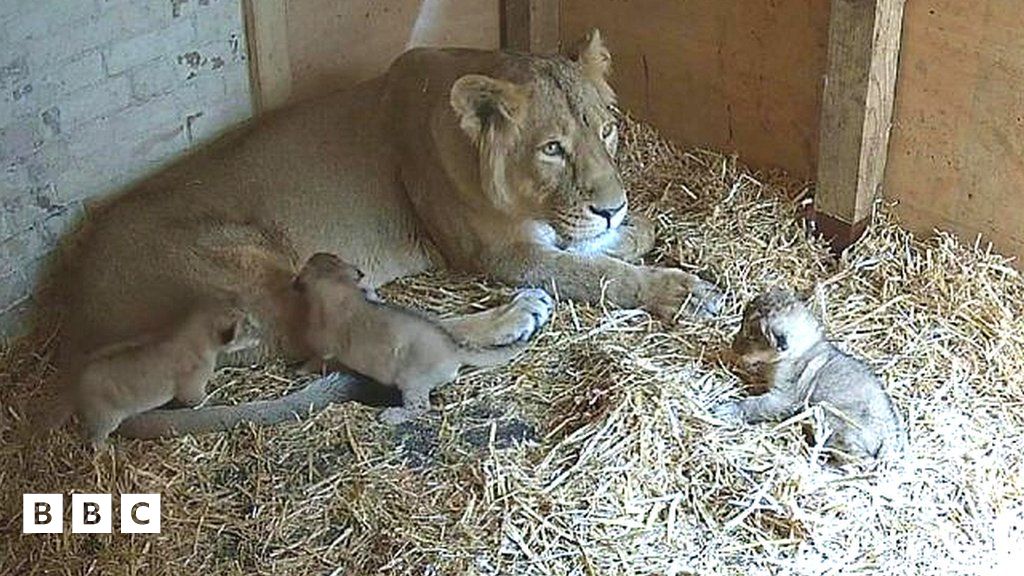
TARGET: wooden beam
(529,25)
(856,114)
(266,32)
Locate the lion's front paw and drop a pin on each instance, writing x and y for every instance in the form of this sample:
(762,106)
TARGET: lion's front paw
(534,306)
(668,291)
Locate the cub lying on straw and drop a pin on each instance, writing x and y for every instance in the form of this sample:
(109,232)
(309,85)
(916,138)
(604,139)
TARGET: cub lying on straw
(394,346)
(122,380)
(783,342)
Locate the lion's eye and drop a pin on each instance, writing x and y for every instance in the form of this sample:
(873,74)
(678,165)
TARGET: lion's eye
(608,130)
(553,148)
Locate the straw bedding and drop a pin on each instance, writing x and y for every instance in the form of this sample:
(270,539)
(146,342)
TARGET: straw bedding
(597,452)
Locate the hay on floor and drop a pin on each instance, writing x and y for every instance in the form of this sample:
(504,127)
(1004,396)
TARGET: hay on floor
(596,452)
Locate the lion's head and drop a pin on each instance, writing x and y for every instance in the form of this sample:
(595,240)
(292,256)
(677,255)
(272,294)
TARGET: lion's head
(547,136)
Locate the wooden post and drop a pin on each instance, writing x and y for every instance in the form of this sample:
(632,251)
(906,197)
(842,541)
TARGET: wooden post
(529,25)
(857,103)
(266,31)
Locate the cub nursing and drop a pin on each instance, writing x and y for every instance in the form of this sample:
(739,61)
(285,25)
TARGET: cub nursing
(785,344)
(346,325)
(126,379)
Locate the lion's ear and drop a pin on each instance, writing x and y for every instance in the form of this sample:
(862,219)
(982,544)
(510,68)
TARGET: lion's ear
(482,102)
(596,62)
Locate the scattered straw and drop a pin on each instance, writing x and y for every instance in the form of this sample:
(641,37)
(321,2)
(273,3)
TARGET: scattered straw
(596,453)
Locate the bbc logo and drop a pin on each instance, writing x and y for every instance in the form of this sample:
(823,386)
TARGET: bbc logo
(90,514)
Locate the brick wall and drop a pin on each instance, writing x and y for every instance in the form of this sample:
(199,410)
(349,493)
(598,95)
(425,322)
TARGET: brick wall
(93,95)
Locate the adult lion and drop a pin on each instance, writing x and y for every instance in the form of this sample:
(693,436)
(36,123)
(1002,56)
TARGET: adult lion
(490,162)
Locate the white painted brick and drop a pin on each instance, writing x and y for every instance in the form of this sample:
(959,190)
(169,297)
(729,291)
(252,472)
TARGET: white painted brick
(42,19)
(106,136)
(97,101)
(53,86)
(59,224)
(236,84)
(110,153)
(83,70)
(13,180)
(19,141)
(23,108)
(8,8)
(218,20)
(6,109)
(156,147)
(157,10)
(14,288)
(121,21)
(170,41)
(207,87)
(19,249)
(14,69)
(216,118)
(155,78)
(20,213)
(56,48)
(102,93)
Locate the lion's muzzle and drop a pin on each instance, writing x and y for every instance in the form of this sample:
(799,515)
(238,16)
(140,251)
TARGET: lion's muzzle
(613,216)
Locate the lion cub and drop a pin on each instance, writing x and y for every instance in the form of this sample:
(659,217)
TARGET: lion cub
(125,379)
(393,346)
(784,343)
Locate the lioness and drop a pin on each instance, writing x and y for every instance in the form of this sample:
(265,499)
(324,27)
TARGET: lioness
(397,347)
(784,343)
(122,380)
(490,162)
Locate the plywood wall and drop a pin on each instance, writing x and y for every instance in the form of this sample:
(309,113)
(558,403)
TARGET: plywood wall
(956,160)
(333,43)
(734,75)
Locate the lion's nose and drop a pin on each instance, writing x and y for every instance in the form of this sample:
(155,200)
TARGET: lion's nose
(608,213)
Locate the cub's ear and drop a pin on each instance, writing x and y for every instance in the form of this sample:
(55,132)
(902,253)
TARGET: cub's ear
(482,102)
(596,62)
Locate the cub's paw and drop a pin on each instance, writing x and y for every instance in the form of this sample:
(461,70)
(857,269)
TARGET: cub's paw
(398,415)
(728,412)
(668,291)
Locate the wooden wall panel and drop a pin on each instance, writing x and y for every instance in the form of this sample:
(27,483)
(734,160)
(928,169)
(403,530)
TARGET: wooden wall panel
(737,75)
(270,75)
(956,160)
(334,43)
(530,25)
